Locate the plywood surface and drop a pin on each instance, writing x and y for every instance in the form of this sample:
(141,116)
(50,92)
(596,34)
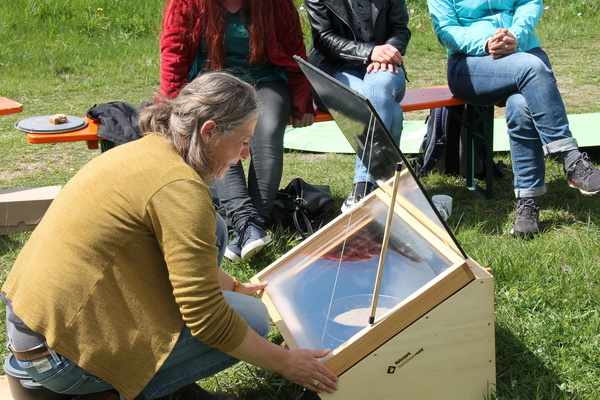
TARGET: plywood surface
(447,354)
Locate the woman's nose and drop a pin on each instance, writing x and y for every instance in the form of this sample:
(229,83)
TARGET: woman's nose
(245,154)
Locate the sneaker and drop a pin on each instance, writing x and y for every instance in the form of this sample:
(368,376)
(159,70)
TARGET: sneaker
(527,220)
(253,240)
(233,251)
(584,175)
(359,191)
(244,246)
(350,202)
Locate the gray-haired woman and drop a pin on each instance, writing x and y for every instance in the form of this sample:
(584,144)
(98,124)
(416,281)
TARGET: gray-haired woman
(118,289)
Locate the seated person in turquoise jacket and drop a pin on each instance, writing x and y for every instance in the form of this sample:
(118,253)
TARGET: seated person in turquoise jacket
(494,55)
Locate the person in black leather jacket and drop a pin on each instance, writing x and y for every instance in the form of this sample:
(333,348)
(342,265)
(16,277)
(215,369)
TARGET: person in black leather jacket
(362,44)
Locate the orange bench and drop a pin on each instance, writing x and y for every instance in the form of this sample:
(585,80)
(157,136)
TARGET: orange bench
(8,106)
(414,99)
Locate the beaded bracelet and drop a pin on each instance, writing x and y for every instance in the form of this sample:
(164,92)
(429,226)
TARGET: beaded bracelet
(236,285)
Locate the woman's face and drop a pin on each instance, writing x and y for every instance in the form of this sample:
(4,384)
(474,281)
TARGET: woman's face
(225,150)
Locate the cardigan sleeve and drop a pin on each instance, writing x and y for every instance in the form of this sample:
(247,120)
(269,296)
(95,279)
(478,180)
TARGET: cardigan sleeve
(287,41)
(178,46)
(183,219)
(525,19)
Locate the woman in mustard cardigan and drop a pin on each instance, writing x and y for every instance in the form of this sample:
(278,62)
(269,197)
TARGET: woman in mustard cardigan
(118,289)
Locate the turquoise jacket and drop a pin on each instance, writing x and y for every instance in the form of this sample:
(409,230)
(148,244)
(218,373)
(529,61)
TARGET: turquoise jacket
(464,26)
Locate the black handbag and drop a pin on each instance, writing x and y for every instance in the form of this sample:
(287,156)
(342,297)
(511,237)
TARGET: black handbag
(303,207)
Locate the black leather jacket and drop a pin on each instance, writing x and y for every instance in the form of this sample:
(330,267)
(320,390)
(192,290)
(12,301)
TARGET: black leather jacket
(335,44)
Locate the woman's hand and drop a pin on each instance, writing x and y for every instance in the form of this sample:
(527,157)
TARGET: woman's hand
(386,54)
(250,288)
(304,368)
(376,66)
(501,44)
(228,282)
(299,366)
(306,120)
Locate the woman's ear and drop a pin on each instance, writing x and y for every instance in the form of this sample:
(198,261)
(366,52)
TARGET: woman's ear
(207,130)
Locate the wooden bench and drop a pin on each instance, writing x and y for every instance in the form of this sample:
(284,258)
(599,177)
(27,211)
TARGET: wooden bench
(414,99)
(8,106)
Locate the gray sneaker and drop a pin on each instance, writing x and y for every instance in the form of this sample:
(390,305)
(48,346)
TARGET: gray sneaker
(233,251)
(247,243)
(584,175)
(253,241)
(527,220)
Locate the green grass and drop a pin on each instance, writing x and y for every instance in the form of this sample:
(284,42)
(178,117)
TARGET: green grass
(64,56)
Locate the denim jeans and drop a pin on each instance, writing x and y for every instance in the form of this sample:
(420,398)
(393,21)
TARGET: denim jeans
(384,90)
(243,198)
(535,113)
(222,237)
(190,360)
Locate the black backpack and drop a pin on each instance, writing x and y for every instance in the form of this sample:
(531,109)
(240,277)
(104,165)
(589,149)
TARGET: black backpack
(442,148)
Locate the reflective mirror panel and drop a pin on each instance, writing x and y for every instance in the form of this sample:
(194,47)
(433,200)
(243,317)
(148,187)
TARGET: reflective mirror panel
(371,140)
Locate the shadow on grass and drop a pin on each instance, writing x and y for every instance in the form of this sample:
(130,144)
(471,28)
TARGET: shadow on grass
(520,374)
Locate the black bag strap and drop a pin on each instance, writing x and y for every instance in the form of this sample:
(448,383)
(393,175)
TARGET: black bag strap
(306,223)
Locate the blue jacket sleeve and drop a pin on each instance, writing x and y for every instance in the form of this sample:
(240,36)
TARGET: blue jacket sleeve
(525,20)
(464,26)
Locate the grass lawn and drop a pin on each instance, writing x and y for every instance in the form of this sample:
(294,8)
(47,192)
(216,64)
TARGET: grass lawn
(64,57)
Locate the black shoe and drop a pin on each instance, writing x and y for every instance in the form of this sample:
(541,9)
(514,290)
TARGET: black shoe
(350,202)
(359,191)
(527,219)
(584,175)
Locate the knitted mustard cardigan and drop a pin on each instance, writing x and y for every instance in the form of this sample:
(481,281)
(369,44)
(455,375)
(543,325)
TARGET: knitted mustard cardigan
(125,255)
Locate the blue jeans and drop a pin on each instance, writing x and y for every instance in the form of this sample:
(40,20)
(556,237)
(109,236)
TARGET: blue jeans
(535,113)
(190,360)
(384,90)
(248,197)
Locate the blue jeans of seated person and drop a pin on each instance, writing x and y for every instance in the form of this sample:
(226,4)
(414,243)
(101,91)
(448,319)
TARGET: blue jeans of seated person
(535,113)
(384,90)
(190,360)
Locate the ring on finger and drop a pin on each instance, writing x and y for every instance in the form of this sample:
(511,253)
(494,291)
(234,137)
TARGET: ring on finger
(315,383)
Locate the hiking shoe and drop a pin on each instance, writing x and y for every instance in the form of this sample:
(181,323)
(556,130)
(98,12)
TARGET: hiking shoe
(584,175)
(527,220)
